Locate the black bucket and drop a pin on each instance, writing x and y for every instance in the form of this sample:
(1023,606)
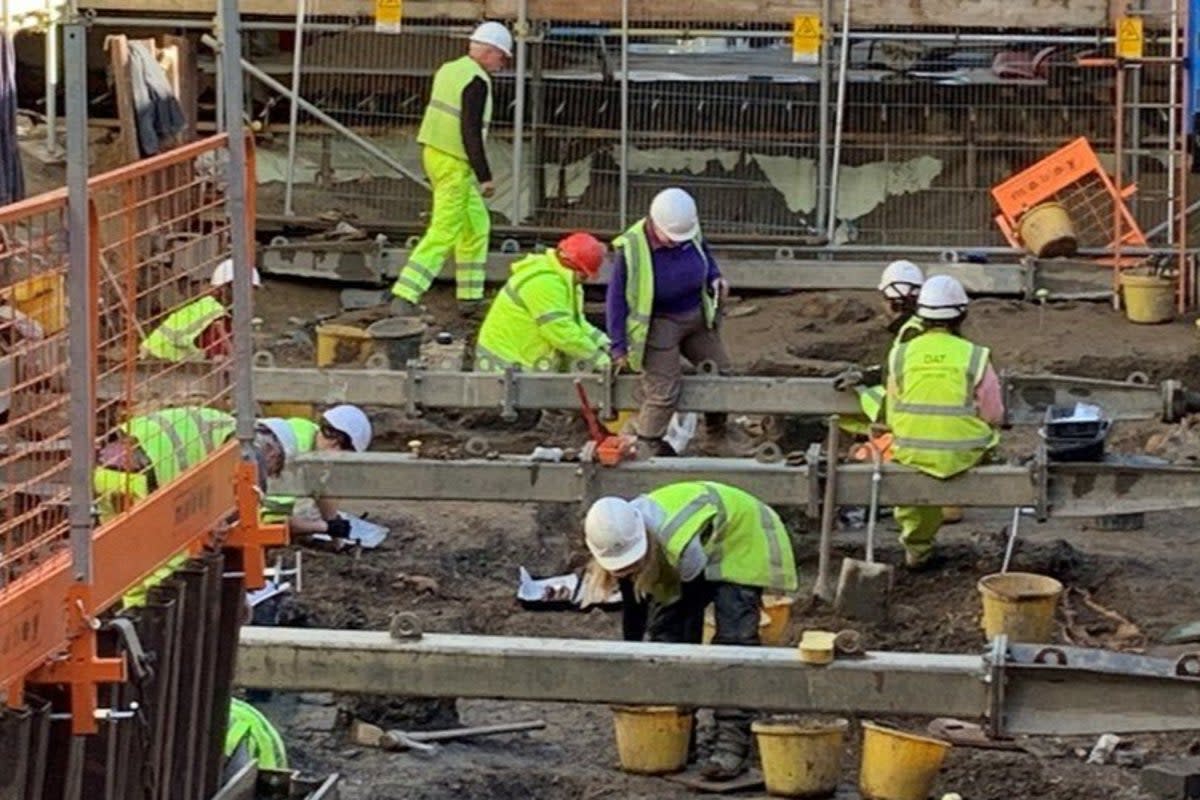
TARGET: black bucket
(398,338)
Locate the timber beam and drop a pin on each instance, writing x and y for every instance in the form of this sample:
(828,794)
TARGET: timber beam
(1060,490)
(1019,688)
(1027,396)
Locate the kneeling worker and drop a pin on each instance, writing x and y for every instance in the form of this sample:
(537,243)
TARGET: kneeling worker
(536,322)
(343,428)
(944,403)
(199,330)
(679,548)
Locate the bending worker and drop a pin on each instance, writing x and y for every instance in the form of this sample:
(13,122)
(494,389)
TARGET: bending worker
(344,428)
(536,323)
(681,547)
(943,405)
(199,330)
(663,303)
(452,132)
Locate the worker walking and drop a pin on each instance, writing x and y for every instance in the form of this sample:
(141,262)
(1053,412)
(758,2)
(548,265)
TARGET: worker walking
(343,428)
(536,323)
(662,306)
(452,133)
(943,405)
(681,547)
(201,329)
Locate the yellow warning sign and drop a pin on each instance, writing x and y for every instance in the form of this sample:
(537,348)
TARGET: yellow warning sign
(806,39)
(1130,39)
(387,15)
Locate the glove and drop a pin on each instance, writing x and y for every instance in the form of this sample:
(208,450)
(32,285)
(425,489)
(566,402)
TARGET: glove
(338,528)
(847,379)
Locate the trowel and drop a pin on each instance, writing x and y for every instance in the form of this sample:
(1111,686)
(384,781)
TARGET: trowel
(865,587)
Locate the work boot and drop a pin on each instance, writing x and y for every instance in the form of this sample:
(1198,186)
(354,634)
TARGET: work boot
(472,310)
(731,753)
(923,562)
(654,447)
(404,308)
(726,441)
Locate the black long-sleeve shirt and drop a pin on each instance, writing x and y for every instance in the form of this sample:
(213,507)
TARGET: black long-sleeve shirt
(474,99)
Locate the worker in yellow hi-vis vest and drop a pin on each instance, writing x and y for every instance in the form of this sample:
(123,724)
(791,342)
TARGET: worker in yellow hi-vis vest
(201,329)
(452,132)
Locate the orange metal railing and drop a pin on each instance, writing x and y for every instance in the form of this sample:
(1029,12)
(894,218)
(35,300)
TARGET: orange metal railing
(169,478)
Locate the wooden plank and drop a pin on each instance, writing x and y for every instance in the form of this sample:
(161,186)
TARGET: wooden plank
(118,54)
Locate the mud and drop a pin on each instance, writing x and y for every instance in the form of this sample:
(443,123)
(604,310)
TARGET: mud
(455,565)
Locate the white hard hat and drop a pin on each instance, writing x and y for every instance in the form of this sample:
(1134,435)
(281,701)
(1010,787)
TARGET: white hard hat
(942,297)
(283,433)
(495,34)
(223,274)
(615,532)
(673,212)
(352,421)
(901,279)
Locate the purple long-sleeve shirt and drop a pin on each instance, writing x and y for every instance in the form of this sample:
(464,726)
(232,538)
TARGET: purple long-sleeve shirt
(681,273)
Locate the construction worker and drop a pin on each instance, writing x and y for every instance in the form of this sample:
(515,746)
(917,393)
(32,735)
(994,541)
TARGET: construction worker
(251,736)
(343,428)
(536,323)
(452,132)
(943,405)
(662,306)
(155,448)
(681,547)
(199,330)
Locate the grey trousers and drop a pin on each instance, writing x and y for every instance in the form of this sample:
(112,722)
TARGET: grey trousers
(670,339)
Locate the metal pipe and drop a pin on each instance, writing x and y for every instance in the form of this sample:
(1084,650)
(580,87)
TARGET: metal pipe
(52,148)
(294,111)
(80,297)
(1173,116)
(843,68)
(518,162)
(896,36)
(363,144)
(206,24)
(823,119)
(623,178)
(235,204)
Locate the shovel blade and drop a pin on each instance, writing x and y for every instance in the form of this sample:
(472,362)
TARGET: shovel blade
(864,590)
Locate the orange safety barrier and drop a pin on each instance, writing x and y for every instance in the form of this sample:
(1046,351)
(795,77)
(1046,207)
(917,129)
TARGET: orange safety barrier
(1073,177)
(169,477)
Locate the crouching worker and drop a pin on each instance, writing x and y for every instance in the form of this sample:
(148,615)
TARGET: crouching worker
(536,322)
(344,428)
(679,548)
(202,329)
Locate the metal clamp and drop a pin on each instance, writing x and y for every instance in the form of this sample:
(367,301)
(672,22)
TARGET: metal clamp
(708,367)
(412,388)
(785,253)
(510,246)
(1006,392)
(508,409)
(264,359)
(1046,654)
(997,661)
(1041,478)
(1174,402)
(133,645)
(405,626)
(813,460)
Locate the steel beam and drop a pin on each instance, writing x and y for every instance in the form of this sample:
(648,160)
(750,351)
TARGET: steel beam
(1027,396)
(1021,688)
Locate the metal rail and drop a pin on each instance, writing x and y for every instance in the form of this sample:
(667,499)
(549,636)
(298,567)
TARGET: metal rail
(1059,490)
(1019,688)
(1026,396)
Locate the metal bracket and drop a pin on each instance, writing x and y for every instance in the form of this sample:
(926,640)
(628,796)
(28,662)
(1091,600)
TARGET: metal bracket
(405,626)
(1174,404)
(137,655)
(996,661)
(412,386)
(508,411)
(813,460)
(1041,477)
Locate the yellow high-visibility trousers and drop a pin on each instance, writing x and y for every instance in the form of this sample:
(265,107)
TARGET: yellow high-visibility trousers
(918,528)
(460,223)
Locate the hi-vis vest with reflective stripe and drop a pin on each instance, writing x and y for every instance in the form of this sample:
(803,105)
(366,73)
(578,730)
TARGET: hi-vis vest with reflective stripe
(931,403)
(277,507)
(175,338)
(263,742)
(639,290)
(514,332)
(746,544)
(870,398)
(441,127)
(174,440)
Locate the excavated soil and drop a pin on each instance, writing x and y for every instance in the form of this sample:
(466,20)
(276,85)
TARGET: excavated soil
(455,565)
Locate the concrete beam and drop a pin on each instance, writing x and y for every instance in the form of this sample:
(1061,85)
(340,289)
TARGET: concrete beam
(1019,688)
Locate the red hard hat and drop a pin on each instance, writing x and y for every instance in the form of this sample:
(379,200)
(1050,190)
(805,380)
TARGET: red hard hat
(582,253)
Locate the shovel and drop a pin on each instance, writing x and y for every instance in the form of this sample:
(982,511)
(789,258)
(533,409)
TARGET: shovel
(822,590)
(865,587)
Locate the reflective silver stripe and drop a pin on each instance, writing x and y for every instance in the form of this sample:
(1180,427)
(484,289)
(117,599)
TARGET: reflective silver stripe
(927,409)
(512,294)
(766,517)
(421,270)
(982,442)
(682,517)
(403,281)
(445,108)
(210,426)
(551,316)
(716,543)
(972,374)
(898,366)
(490,360)
(643,319)
(197,326)
(166,426)
(469,283)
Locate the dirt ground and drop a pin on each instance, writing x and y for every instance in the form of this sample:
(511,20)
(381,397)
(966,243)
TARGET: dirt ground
(455,565)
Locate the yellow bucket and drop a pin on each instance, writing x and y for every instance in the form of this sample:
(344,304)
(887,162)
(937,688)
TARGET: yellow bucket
(342,344)
(1047,232)
(801,759)
(1019,605)
(652,740)
(1149,299)
(898,765)
(772,621)
(286,410)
